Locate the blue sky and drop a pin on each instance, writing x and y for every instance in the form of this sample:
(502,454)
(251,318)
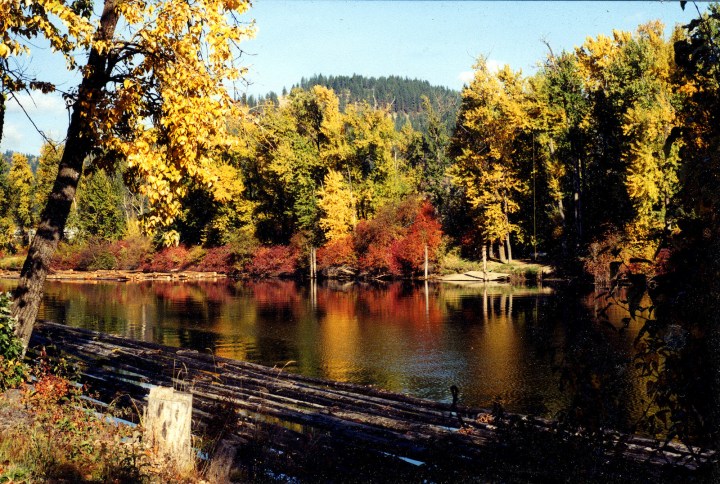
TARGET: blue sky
(435,41)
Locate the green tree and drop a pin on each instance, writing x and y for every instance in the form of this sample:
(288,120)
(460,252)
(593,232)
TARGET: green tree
(100,207)
(50,155)
(147,98)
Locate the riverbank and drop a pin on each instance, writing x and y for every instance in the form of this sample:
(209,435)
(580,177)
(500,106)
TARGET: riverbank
(49,433)
(516,271)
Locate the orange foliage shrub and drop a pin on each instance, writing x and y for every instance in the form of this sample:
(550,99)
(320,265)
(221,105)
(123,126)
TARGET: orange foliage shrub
(408,252)
(394,241)
(340,252)
(130,253)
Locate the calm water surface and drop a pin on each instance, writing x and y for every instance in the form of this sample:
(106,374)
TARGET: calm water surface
(510,344)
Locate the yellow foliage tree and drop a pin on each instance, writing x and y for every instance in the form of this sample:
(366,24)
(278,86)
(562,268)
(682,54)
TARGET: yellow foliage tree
(154,92)
(492,116)
(338,206)
(64,25)
(21,182)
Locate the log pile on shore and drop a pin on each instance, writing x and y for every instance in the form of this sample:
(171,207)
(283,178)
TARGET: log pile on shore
(121,275)
(362,430)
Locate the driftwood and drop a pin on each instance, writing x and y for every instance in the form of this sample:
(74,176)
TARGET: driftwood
(476,276)
(381,427)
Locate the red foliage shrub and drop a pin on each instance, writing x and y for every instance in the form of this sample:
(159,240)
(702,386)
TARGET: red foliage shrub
(100,254)
(217,259)
(395,240)
(663,262)
(81,257)
(408,252)
(337,253)
(66,257)
(130,253)
(376,260)
(601,254)
(168,259)
(273,261)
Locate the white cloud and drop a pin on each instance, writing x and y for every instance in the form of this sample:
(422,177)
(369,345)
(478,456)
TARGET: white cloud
(12,136)
(42,104)
(466,77)
(493,65)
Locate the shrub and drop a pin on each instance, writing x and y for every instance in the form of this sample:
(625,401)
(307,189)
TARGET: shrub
(217,259)
(394,241)
(80,256)
(604,256)
(340,252)
(66,257)
(377,260)
(168,259)
(103,260)
(132,252)
(12,369)
(13,263)
(273,261)
(408,252)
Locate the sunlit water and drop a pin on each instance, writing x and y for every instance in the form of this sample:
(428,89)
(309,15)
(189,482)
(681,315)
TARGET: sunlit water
(496,343)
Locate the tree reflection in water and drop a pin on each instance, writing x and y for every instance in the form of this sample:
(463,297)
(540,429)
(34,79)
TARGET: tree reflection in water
(533,350)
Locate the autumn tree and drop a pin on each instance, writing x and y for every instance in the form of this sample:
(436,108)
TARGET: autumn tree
(560,110)
(377,171)
(696,52)
(7,226)
(492,117)
(652,155)
(629,161)
(64,25)
(153,93)
(21,182)
(206,221)
(337,205)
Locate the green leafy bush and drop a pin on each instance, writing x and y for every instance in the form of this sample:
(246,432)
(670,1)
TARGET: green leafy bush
(103,260)
(12,369)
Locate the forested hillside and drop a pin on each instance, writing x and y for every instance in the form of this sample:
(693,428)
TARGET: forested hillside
(403,97)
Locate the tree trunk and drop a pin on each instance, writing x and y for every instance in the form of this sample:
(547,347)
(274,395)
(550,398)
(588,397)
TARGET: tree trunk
(484,259)
(80,141)
(491,250)
(509,248)
(577,200)
(501,250)
(3,97)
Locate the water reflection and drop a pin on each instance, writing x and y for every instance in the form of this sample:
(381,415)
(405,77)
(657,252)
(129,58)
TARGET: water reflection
(494,342)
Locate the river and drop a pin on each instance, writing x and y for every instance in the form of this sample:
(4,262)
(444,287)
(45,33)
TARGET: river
(532,349)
